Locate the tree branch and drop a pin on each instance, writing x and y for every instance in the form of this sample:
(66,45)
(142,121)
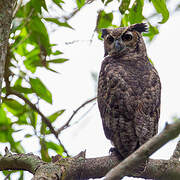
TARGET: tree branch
(66,125)
(80,168)
(176,153)
(28,162)
(124,168)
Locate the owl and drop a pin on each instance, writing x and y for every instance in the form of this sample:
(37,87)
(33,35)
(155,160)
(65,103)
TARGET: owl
(129,90)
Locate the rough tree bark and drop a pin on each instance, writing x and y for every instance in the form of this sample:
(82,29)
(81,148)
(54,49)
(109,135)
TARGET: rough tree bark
(81,168)
(6,16)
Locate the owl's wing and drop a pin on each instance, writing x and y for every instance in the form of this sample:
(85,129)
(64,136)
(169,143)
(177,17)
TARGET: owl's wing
(116,105)
(148,109)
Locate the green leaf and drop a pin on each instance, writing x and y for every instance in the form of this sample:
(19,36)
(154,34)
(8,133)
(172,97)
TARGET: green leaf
(135,13)
(55,115)
(57,52)
(17,147)
(19,46)
(21,175)
(22,119)
(56,21)
(44,151)
(25,10)
(124,6)
(13,106)
(38,33)
(33,118)
(150,60)
(37,5)
(22,89)
(80,3)
(104,20)
(3,117)
(58,3)
(41,90)
(107,2)
(151,32)
(59,60)
(52,70)
(51,145)
(31,64)
(32,60)
(160,6)
(28,135)
(18,87)
(125,20)
(3,135)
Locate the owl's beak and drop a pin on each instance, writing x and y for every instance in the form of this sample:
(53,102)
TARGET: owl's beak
(118,45)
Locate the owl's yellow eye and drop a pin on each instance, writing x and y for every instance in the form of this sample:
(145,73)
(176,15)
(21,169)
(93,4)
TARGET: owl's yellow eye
(110,39)
(127,37)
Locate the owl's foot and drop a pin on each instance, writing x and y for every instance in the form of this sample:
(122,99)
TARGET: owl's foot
(114,151)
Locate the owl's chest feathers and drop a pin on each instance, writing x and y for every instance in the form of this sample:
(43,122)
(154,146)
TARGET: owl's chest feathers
(121,75)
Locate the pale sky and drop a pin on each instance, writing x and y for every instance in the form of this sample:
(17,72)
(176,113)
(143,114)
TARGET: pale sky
(74,85)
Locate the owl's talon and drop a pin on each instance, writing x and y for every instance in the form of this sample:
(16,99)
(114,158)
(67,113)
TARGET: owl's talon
(114,151)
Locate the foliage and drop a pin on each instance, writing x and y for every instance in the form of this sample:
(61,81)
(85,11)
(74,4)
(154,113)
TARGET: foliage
(30,48)
(131,14)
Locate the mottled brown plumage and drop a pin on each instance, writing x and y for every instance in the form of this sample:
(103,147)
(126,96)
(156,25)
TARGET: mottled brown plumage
(129,90)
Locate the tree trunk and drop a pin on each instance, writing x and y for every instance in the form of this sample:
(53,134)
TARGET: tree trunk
(6,13)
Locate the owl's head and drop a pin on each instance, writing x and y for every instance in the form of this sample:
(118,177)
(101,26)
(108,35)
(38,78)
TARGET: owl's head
(125,40)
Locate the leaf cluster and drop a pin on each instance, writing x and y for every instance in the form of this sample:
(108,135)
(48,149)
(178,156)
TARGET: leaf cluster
(131,12)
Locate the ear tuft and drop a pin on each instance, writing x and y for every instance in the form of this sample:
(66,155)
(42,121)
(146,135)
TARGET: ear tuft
(104,32)
(141,27)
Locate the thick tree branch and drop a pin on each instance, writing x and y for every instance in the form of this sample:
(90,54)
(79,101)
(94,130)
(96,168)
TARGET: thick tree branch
(176,153)
(28,162)
(124,168)
(80,168)
(6,13)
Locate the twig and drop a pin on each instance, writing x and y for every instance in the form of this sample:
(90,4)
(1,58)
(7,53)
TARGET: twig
(7,177)
(76,10)
(45,120)
(170,132)
(17,7)
(74,113)
(176,153)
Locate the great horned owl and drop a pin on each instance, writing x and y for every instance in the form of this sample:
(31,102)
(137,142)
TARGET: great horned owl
(129,89)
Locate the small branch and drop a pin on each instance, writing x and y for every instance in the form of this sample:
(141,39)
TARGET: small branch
(76,10)
(44,119)
(125,167)
(74,113)
(176,153)
(17,7)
